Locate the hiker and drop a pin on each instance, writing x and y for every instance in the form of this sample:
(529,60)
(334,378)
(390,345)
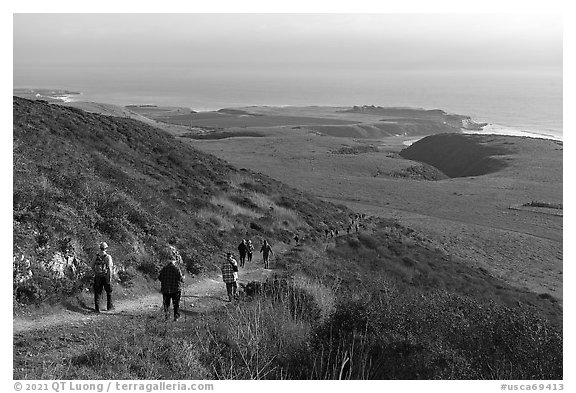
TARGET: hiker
(230,275)
(242,249)
(249,250)
(266,250)
(102,267)
(296,239)
(171,279)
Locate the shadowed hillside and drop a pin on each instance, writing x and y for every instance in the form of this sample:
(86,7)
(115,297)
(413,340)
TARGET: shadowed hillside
(458,155)
(81,178)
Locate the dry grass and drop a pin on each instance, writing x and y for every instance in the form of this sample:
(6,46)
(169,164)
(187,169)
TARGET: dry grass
(219,221)
(239,179)
(262,201)
(285,216)
(323,295)
(233,208)
(254,340)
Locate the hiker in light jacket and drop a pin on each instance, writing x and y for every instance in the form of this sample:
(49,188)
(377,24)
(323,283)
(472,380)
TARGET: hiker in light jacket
(102,267)
(266,250)
(250,250)
(230,275)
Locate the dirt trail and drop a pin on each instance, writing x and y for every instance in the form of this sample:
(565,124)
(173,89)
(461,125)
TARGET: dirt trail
(200,296)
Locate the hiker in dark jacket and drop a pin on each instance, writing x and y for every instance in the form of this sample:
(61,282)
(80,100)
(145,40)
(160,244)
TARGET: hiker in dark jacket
(171,279)
(242,250)
(266,250)
(249,250)
(102,267)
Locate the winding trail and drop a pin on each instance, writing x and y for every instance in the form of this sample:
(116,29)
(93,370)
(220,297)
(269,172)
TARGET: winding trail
(204,294)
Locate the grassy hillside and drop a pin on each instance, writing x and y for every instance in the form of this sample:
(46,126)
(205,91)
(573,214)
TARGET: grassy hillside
(82,178)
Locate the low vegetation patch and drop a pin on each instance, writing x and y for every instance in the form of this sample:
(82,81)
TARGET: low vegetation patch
(543,204)
(222,135)
(356,149)
(419,172)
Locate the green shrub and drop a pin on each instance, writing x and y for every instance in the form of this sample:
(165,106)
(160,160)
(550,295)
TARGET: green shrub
(125,276)
(149,268)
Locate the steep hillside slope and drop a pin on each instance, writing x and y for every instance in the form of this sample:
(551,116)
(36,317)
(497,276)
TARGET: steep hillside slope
(81,178)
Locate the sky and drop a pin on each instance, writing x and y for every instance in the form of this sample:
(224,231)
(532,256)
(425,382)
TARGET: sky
(395,41)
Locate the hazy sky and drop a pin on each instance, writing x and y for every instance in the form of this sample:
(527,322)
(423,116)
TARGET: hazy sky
(467,41)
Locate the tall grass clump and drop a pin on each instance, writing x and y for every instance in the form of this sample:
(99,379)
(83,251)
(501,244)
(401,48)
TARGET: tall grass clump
(240,180)
(152,350)
(283,217)
(233,208)
(219,221)
(267,336)
(257,340)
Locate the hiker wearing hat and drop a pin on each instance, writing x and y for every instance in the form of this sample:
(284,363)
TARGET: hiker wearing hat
(171,279)
(102,267)
(230,275)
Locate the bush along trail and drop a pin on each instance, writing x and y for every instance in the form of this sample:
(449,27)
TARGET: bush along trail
(204,293)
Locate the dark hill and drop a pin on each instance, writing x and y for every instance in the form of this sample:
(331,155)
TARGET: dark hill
(458,155)
(82,178)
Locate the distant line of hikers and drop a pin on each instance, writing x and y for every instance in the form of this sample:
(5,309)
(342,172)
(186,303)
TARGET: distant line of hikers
(354,225)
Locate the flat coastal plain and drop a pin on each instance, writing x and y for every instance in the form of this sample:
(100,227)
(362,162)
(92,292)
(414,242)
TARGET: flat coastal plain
(487,219)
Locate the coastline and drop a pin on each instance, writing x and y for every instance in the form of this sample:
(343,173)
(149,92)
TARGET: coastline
(469,125)
(498,129)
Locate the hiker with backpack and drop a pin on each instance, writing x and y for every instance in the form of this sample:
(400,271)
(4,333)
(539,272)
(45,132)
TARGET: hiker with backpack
(266,250)
(242,250)
(249,250)
(102,267)
(171,279)
(229,270)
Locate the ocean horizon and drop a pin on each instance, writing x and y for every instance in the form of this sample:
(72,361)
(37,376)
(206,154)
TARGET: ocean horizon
(511,102)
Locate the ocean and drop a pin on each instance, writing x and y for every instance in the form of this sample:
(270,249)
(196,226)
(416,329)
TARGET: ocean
(512,102)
